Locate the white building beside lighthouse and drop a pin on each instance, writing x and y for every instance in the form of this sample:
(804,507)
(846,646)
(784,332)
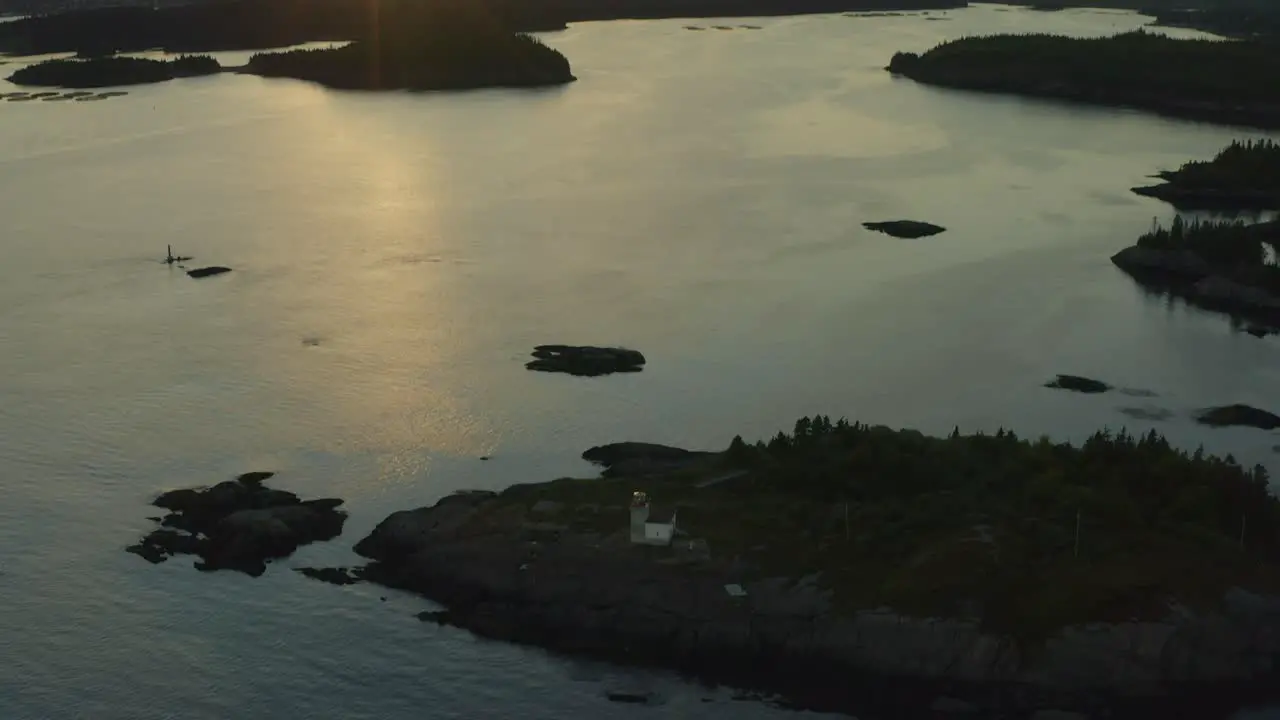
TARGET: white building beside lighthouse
(650,525)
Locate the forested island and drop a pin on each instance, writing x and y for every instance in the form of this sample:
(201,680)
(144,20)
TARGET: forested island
(112,71)
(1211,80)
(263,24)
(1227,266)
(1009,572)
(1247,21)
(425,49)
(1242,176)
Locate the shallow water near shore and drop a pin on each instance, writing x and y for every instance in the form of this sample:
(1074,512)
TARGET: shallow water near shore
(696,195)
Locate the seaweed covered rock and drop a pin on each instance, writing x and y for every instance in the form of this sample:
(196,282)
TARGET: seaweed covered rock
(238,524)
(586,360)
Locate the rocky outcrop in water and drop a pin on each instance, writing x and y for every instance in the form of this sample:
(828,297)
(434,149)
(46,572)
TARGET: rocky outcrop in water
(909,229)
(1078,384)
(637,458)
(582,593)
(585,360)
(208,271)
(238,525)
(1239,415)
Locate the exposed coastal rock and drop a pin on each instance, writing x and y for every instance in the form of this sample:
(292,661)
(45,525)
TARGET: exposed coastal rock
(910,229)
(635,458)
(585,360)
(595,595)
(208,271)
(238,525)
(1078,384)
(1239,415)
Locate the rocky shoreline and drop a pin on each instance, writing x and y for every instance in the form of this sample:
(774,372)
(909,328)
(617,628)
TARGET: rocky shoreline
(532,578)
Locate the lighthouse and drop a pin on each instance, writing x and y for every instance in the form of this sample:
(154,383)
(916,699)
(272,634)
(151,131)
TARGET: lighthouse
(649,527)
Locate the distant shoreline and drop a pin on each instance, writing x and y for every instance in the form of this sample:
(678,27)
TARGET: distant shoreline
(237,25)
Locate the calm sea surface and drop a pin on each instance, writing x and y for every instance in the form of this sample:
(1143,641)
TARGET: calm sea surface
(696,195)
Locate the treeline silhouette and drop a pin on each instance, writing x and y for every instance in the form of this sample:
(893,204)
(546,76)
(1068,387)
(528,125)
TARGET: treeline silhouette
(428,48)
(1229,246)
(1249,21)
(1045,533)
(262,24)
(1199,79)
(1249,165)
(109,71)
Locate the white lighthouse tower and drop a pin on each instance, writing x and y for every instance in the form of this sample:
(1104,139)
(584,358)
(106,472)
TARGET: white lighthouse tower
(639,515)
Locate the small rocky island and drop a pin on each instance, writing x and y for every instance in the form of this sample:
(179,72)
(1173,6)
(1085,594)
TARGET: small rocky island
(846,562)
(1243,176)
(1239,416)
(1137,69)
(238,525)
(1078,384)
(112,71)
(1225,266)
(210,271)
(585,360)
(909,229)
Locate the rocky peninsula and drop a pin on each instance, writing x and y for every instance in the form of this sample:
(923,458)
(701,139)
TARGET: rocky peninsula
(844,562)
(1242,176)
(1224,266)
(1208,80)
(112,71)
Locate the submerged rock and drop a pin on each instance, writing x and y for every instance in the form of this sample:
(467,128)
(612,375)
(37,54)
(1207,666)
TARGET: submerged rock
(1238,415)
(636,698)
(208,271)
(1077,383)
(585,360)
(910,229)
(334,575)
(238,525)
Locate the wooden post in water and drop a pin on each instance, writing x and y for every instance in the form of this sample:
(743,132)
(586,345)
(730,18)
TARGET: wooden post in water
(1242,524)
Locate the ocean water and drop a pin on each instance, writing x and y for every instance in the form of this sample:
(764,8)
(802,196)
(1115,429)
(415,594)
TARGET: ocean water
(697,195)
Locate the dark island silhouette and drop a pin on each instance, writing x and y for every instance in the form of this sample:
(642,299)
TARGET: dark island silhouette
(1225,265)
(424,48)
(264,24)
(844,564)
(417,46)
(112,71)
(1255,20)
(1209,80)
(1242,176)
